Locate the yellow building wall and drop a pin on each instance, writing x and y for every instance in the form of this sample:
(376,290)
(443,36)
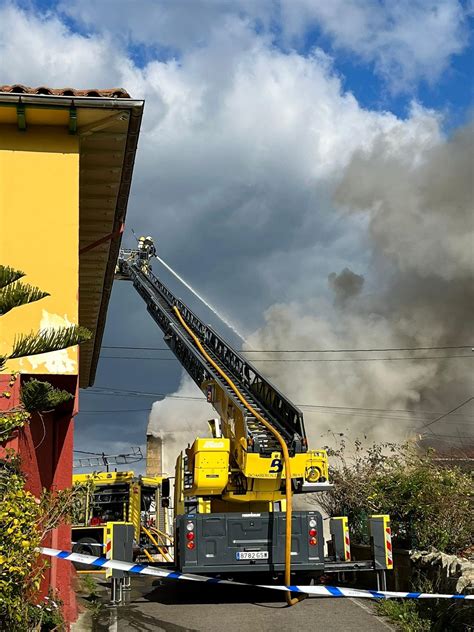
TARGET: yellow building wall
(39,234)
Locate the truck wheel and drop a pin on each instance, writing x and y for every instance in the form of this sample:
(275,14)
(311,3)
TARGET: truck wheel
(86,546)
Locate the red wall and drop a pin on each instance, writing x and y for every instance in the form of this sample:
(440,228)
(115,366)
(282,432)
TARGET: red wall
(45,446)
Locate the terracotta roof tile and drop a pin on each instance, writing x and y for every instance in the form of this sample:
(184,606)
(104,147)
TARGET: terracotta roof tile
(113,93)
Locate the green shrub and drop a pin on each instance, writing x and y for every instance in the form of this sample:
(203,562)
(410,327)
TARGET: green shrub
(19,573)
(429,505)
(25,521)
(404,614)
(436,615)
(47,615)
(38,395)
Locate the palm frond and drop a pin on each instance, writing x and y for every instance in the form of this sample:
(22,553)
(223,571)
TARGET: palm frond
(3,361)
(16,294)
(9,275)
(49,340)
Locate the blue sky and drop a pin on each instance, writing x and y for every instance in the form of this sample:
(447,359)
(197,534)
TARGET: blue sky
(284,143)
(451,93)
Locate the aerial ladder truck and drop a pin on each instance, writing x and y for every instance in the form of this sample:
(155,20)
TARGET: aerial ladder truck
(233,491)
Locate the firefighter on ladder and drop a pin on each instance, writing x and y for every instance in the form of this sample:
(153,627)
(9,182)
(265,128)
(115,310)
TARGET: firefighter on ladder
(146,250)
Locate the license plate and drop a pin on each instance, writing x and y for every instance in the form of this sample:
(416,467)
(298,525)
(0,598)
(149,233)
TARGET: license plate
(252,555)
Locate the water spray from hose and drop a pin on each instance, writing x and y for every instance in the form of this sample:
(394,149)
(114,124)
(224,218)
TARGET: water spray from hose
(202,299)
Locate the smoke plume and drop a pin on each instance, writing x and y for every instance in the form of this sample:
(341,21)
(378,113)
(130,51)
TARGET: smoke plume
(419,212)
(178,422)
(415,291)
(345,285)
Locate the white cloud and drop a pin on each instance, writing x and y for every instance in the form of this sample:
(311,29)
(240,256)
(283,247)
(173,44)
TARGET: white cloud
(242,148)
(182,25)
(49,54)
(245,144)
(407,41)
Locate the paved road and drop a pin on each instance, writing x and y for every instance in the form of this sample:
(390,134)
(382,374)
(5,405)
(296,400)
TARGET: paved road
(187,607)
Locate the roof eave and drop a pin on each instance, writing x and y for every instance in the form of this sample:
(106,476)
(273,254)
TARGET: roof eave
(134,108)
(120,213)
(42,100)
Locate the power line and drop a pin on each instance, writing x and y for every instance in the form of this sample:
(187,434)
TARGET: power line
(382,417)
(412,359)
(456,436)
(102,357)
(446,414)
(117,412)
(370,410)
(369,413)
(104,390)
(451,442)
(386,416)
(98,390)
(136,348)
(349,411)
(375,350)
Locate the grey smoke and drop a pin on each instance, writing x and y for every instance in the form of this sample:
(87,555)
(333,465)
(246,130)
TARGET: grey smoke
(179,422)
(418,207)
(345,285)
(416,290)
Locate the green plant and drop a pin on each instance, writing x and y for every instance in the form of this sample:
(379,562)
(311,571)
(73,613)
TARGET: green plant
(9,275)
(95,607)
(47,614)
(38,395)
(429,506)
(48,340)
(25,519)
(13,293)
(92,599)
(19,574)
(404,614)
(88,585)
(436,615)
(12,420)
(16,294)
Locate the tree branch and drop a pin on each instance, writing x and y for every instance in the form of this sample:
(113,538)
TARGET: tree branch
(9,275)
(17,294)
(49,340)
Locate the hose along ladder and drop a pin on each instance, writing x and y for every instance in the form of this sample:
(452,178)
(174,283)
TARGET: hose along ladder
(273,423)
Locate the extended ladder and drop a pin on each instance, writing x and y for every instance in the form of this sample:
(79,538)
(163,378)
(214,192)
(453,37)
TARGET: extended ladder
(265,398)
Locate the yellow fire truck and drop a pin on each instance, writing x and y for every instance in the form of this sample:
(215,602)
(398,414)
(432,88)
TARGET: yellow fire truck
(233,491)
(121,497)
